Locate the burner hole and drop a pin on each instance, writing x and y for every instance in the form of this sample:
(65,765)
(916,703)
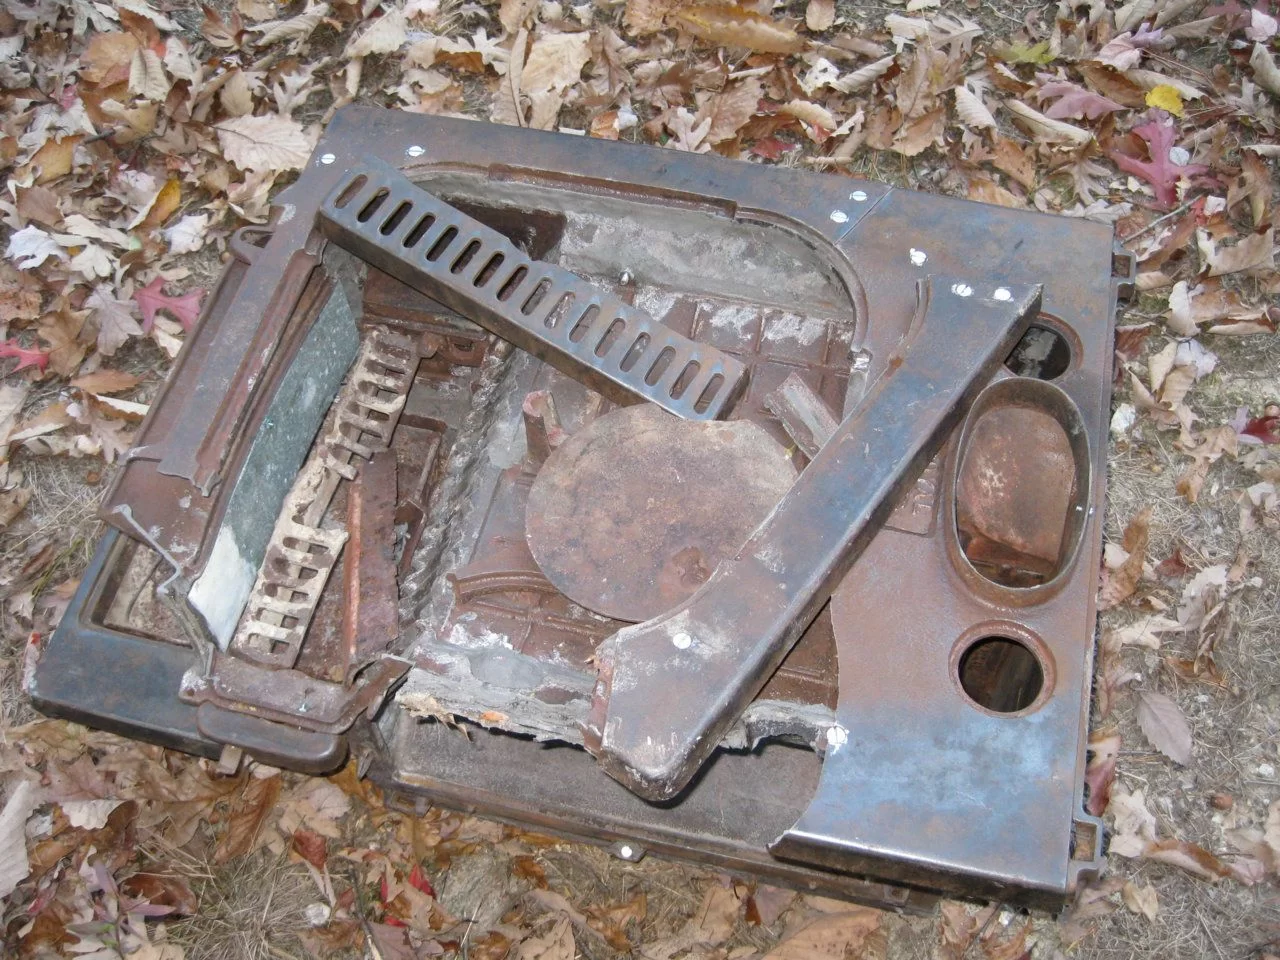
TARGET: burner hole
(466,256)
(349,194)
(611,336)
(1042,353)
(419,230)
(708,393)
(438,248)
(539,294)
(584,323)
(489,269)
(1001,674)
(397,215)
(372,206)
(686,377)
(513,282)
(633,354)
(560,311)
(660,365)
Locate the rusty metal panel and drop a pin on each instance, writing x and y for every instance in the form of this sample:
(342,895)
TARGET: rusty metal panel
(927,727)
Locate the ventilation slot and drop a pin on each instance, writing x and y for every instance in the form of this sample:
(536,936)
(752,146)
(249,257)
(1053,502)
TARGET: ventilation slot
(372,206)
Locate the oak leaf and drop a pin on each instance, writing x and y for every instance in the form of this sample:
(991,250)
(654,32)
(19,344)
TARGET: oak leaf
(1159,170)
(152,298)
(114,319)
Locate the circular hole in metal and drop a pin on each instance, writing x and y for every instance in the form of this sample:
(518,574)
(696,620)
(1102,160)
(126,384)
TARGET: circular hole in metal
(1043,354)
(1000,674)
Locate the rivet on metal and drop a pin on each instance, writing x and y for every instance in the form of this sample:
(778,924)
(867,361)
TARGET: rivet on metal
(839,216)
(682,641)
(416,151)
(858,195)
(626,852)
(962,289)
(328,158)
(1002,293)
(837,737)
(918,257)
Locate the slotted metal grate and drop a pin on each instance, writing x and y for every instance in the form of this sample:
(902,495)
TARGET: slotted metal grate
(617,349)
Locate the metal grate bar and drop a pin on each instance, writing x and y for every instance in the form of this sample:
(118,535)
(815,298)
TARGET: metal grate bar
(613,347)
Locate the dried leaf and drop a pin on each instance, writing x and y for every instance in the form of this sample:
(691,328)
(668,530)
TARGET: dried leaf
(114,319)
(270,143)
(387,34)
(1164,725)
(1254,252)
(556,944)
(735,27)
(1074,101)
(733,107)
(14,865)
(972,111)
(820,15)
(863,77)
(249,812)
(1265,71)
(147,78)
(1141,900)
(555,62)
(1046,127)
(1100,774)
(1118,585)
(834,936)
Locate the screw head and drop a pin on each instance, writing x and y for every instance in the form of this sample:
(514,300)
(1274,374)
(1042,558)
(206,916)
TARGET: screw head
(416,150)
(327,159)
(626,852)
(1002,293)
(682,641)
(858,195)
(962,289)
(918,257)
(839,216)
(837,737)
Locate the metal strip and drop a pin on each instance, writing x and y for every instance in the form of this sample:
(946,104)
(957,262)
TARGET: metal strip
(669,688)
(614,348)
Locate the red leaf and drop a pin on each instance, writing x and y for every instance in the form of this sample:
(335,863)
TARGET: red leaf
(311,847)
(1074,101)
(1101,771)
(419,880)
(1266,429)
(151,299)
(771,148)
(26,358)
(1161,172)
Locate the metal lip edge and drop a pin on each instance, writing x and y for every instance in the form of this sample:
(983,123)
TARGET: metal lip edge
(940,876)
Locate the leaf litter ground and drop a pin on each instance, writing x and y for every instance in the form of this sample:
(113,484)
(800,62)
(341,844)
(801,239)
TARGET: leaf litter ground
(136,137)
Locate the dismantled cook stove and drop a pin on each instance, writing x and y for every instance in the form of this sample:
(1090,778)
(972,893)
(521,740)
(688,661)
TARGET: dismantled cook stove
(689,506)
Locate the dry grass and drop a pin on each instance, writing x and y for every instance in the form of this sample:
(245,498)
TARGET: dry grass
(248,907)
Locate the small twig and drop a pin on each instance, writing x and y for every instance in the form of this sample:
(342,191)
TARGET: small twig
(514,69)
(1159,220)
(977,937)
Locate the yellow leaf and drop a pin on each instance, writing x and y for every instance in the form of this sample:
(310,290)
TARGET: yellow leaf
(1166,98)
(166,202)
